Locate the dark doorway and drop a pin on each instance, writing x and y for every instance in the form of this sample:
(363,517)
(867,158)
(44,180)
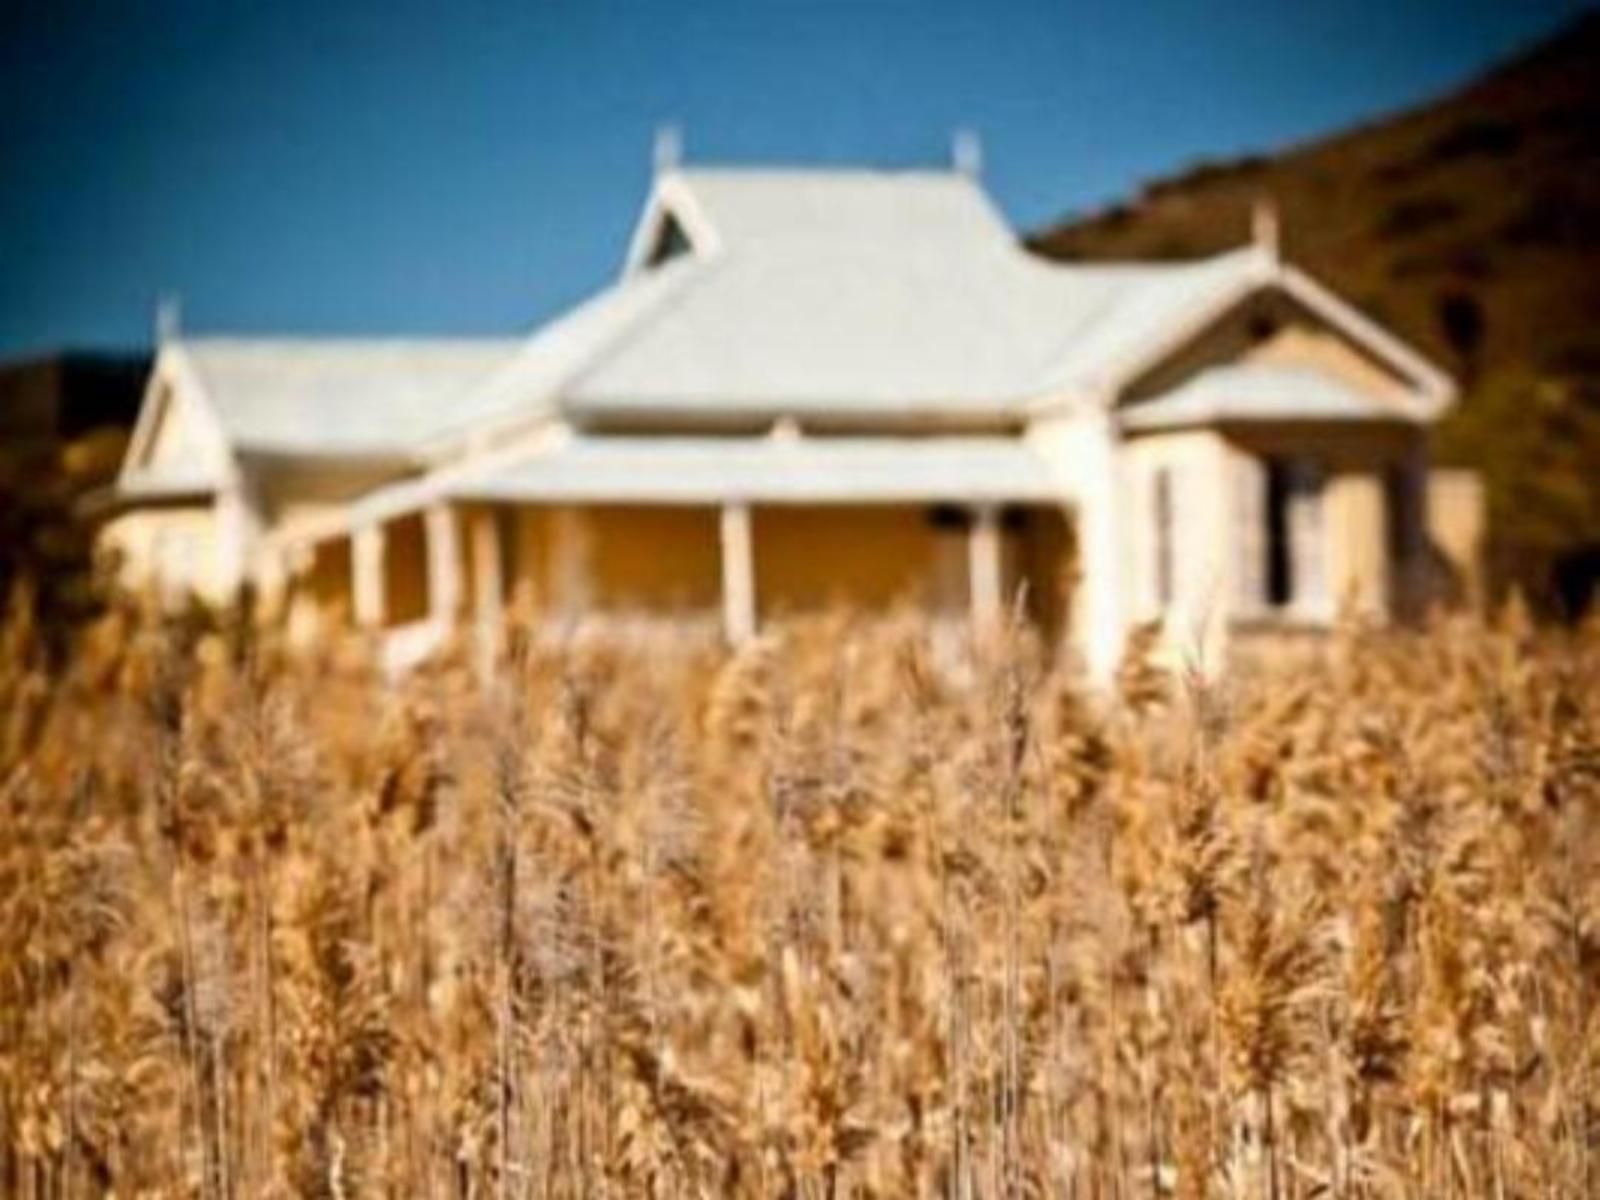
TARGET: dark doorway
(1280,562)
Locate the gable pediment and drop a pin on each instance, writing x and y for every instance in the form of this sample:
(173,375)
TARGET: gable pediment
(1271,329)
(176,436)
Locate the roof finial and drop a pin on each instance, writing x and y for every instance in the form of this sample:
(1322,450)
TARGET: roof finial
(169,318)
(966,151)
(1264,227)
(668,152)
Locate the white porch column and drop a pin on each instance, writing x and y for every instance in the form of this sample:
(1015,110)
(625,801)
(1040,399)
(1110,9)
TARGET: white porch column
(738,574)
(367,582)
(984,567)
(238,532)
(444,564)
(1101,618)
(488,582)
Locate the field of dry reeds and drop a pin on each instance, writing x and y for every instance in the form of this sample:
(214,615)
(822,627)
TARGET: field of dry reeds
(845,913)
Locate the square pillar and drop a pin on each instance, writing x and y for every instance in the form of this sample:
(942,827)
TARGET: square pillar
(738,574)
(1100,619)
(444,564)
(984,568)
(367,584)
(238,530)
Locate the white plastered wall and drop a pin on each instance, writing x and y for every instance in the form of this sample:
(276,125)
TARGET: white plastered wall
(170,551)
(1081,449)
(1197,466)
(204,547)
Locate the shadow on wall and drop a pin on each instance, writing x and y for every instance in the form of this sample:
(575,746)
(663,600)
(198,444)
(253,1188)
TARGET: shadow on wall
(1575,580)
(1445,583)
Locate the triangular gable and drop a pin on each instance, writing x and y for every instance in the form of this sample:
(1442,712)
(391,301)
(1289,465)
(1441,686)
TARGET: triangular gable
(673,223)
(1420,390)
(176,435)
(670,242)
(1438,388)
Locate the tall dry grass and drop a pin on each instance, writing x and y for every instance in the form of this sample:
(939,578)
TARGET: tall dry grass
(842,914)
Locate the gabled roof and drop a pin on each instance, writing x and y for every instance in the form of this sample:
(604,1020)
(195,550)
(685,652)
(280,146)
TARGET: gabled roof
(738,209)
(855,293)
(339,397)
(527,384)
(864,296)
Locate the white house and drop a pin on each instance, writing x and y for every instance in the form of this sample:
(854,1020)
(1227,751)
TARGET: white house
(808,386)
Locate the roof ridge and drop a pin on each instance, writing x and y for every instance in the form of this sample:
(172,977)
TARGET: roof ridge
(505,374)
(704,268)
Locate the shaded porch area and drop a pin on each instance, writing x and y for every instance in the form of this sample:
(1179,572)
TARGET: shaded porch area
(417,578)
(731,532)
(957,532)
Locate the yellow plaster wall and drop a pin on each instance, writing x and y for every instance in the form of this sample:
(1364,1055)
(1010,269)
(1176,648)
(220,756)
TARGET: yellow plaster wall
(1302,343)
(321,592)
(1356,526)
(1046,560)
(612,557)
(864,556)
(327,577)
(658,558)
(530,533)
(405,570)
(666,559)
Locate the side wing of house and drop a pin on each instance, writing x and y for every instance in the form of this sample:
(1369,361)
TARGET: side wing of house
(174,532)
(1274,470)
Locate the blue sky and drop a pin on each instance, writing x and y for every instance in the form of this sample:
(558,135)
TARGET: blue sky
(401,167)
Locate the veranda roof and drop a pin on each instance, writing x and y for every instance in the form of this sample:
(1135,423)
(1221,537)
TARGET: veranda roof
(677,470)
(717,470)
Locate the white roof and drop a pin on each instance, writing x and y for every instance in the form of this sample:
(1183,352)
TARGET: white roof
(528,383)
(1259,392)
(337,397)
(716,470)
(744,208)
(858,293)
(768,470)
(865,296)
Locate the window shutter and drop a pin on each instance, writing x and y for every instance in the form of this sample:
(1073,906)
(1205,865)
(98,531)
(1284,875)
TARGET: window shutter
(1307,542)
(1249,534)
(1166,548)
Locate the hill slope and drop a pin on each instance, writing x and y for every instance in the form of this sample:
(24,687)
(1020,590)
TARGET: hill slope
(1472,226)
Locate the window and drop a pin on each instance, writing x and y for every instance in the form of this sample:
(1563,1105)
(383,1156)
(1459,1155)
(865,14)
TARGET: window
(671,241)
(1293,518)
(1164,547)
(1280,567)
(1261,327)
(1402,512)
(1403,522)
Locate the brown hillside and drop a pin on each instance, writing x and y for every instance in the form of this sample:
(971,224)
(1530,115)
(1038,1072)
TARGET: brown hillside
(1471,225)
